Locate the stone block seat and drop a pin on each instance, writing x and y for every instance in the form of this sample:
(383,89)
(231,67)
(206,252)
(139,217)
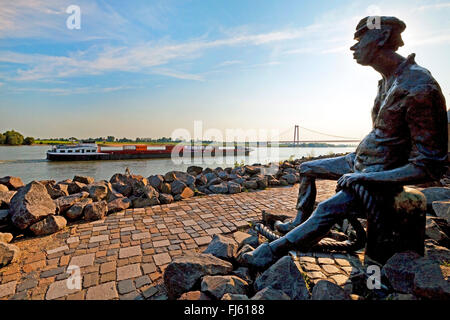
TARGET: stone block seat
(398,227)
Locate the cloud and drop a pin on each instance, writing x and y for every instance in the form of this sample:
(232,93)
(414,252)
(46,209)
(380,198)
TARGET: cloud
(433,6)
(69,91)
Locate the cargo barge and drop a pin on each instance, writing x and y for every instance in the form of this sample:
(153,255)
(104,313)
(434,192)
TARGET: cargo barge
(92,151)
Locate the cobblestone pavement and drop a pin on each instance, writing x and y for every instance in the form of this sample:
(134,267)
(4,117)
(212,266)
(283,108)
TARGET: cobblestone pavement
(124,255)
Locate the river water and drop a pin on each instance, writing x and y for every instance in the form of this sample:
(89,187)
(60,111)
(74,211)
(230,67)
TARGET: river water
(29,162)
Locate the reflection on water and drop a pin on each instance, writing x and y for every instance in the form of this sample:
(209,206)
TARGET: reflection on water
(29,163)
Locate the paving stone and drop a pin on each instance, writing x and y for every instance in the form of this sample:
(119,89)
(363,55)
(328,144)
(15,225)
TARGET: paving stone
(8,289)
(59,289)
(203,240)
(72,240)
(100,238)
(161,243)
(142,281)
(105,291)
(125,286)
(140,236)
(107,267)
(83,260)
(52,272)
(149,268)
(330,269)
(162,259)
(130,252)
(129,271)
(325,260)
(342,262)
(56,250)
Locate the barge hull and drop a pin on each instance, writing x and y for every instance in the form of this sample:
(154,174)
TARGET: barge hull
(127,156)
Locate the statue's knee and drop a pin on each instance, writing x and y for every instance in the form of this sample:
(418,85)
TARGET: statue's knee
(305,168)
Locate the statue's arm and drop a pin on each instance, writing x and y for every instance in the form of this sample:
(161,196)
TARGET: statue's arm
(427,123)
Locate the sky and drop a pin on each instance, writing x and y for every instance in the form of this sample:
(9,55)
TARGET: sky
(150,68)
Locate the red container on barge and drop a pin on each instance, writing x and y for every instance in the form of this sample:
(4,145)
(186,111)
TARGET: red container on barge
(92,151)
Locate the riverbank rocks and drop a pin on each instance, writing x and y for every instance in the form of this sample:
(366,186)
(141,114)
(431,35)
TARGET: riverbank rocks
(217,286)
(270,293)
(13,183)
(222,247)
(76,211)
(326,290)
(184,272)
(234,187)
(442,209)
(54,192)
(155,181)
(435,194)
(285,275)
(95,211)
(31,204)
(84,179)
(3,188)
(194,170)
(8,253)
(147,196)
(219,188)
(97,191)
(64,203)
(124,189)
(49,225)
(177,187)
(194,296)
(118,204)
(165,198)
(5,199)
(409,273)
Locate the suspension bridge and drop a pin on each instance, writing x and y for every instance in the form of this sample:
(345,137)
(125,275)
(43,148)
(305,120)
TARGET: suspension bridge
(327,137)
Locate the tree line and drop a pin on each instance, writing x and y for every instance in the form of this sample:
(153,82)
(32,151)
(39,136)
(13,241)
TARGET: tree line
(14,138)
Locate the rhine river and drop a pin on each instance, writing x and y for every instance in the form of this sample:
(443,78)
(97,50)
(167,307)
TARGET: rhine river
(29,162)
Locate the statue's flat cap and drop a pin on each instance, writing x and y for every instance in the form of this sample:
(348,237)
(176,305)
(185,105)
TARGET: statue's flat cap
(363,24)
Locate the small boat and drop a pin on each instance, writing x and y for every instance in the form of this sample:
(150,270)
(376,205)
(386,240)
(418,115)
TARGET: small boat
(93,151)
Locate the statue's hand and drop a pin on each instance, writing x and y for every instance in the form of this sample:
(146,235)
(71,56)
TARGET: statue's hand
(350,178)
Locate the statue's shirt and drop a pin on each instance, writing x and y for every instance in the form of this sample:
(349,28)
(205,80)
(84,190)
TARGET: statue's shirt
(409,120)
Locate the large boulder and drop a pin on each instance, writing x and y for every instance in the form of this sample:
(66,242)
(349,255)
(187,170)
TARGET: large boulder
(187,193)
(184,272)
(64,203)
(75,187)
(270,293)
(177,187)
(442,209)
(433,231)
(76,211)
(222,247)
(124,189)
(165,198)
(97,191)
(54,192)
(194,296)
(409,273)
(13,183)
(290,178)
(252,170)
(194,170)
(3,188)
(8,253)
(251,184)
(327,290)
(234,296)
(136,182)
(49,225)
(31,204)
(118,205)
(155,181)
(234,187)
(5,199)
(217,286)
(284,275)
(219,188)
(148,197)
(95,211)
(435,194)
(84,179)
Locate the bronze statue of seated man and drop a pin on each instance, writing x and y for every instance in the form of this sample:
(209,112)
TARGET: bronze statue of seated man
(407,144)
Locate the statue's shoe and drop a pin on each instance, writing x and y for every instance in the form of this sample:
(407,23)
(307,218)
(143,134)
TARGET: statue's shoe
(261,258)
(284,227)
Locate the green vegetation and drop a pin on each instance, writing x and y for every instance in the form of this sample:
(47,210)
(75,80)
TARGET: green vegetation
(14,138)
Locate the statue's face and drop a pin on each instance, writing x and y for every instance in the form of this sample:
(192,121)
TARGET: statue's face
(366,48)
